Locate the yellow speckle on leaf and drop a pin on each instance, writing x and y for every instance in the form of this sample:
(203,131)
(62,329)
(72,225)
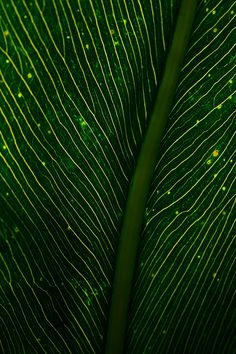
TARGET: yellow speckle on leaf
(223,188)
(4,147)
(6,33)
(87,46)
(209,162)
(215,30)
(19,95)
(29,75)
(82,122)
(219,106)
(213,12)
(215,153)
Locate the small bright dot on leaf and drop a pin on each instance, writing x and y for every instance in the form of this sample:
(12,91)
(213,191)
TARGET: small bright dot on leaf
(215,153)
(232,12)
(68,37)
(5,33)
(215,175)
(214,275)
(168,192)
(4,147)
(209,162)
(198,256)
(125,21)
(223,188)
(213,12)
(230,81)
(43,163)
(112,31)
(177,212)
(207,9)
(224,212)
(215,30)
(209,75)
(219,106)
(197,121)
(87,46)
(83,123)
(29,75)
(19,94)
(7,61)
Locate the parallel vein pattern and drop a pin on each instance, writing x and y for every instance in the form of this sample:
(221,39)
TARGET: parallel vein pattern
(184,294)
(76,83)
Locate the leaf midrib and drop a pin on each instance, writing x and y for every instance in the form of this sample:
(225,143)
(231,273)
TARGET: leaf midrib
(142,178)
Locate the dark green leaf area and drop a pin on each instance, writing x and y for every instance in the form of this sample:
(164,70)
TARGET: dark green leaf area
(184,292)
(77,84)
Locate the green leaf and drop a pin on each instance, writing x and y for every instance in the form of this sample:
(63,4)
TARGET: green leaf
(78,84)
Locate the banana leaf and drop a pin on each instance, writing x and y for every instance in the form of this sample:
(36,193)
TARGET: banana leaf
(79,85)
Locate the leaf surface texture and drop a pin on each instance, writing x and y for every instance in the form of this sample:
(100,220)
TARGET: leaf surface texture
(77,86)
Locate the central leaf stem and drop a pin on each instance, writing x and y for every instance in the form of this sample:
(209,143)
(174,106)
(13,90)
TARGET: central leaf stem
(139,188)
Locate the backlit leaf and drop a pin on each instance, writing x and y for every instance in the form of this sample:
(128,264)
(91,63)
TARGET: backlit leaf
(78,81)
